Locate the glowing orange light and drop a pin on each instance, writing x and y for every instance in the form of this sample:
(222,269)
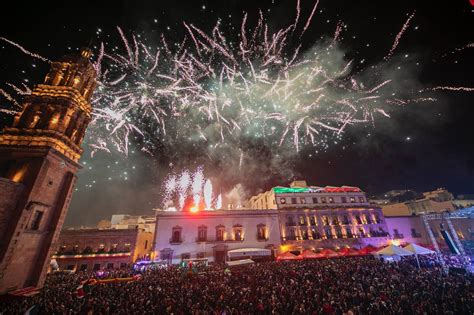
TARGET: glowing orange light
(194,209)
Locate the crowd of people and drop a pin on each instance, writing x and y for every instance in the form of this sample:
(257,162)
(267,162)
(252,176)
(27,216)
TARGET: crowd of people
(356,285)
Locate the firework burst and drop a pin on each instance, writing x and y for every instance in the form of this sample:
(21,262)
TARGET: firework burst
(220,91)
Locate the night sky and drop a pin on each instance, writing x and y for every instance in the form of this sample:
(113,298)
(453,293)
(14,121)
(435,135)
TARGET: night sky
(422,146)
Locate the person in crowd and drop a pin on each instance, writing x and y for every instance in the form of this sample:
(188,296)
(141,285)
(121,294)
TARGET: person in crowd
(353,285)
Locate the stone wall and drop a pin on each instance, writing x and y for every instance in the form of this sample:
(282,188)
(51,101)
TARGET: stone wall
(9,194)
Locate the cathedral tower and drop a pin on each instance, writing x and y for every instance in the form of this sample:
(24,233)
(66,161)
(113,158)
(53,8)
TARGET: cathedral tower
(39,157)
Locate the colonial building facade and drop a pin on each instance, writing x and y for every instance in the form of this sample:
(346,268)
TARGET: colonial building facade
(315,217)
(97,249)
(216,235)
(283,219)
(412,229)
(39,157)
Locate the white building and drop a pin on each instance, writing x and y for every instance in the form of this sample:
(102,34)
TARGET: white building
(217,235)
(300,195)
(125,221)
(315,217)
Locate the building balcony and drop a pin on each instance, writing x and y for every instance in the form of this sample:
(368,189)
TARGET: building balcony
(235,240)
(201,239)
(92,255)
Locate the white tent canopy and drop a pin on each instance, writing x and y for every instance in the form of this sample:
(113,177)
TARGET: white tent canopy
(393,250)
(240,262)
(417,249)
(249,252)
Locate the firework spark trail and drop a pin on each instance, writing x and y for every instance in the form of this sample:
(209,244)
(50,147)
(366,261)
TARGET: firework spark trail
(298,12)
(184,182)
(26,91)
(470,45)
(98,63)
(219,91)
(308,22)
(25,51)
(169,188)
(11,99)
(338,31)
(452,88)
(190,184)
(399,36)
(208,194)
(219,202)
(127,45)
(198,181)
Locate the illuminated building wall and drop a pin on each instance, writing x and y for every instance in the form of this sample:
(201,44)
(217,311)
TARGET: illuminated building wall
(315,217)
(211,234)
(95,249)
(39,156)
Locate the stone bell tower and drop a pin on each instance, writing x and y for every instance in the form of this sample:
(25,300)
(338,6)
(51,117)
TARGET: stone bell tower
(39,157)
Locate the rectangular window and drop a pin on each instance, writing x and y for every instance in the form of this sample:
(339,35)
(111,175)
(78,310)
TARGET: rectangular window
(220,234)
(343,200)
(83,267)
(353,199)
(325,220)
(312,220)
(176,237)
(261,232)
(238,234)
(315,200)
(146,244)
(35,223)
(331,200)
(110,266)
(323,200)
(202,234)
(293,201)
(361,199)
(96,267)
(303,200)
(185,256)
(302,220)
(70,267)
(123,265)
